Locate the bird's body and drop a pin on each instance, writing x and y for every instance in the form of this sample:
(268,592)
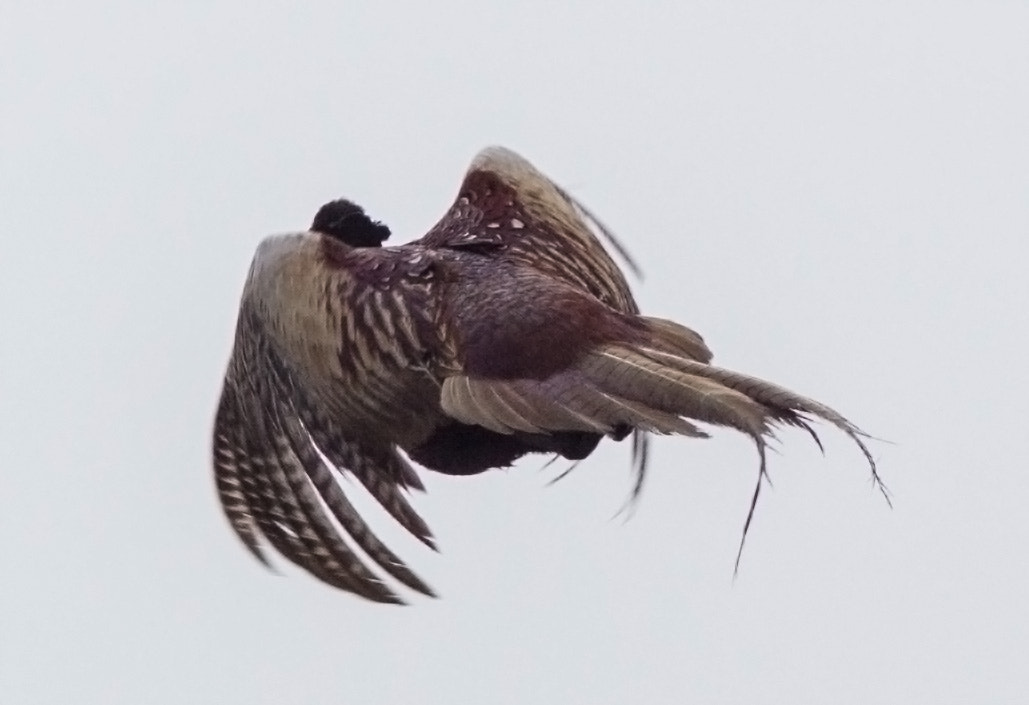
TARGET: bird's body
(506,330)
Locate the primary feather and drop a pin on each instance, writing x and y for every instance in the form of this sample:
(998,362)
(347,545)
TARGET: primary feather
(506,330)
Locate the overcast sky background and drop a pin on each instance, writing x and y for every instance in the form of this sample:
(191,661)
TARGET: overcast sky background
(838,199)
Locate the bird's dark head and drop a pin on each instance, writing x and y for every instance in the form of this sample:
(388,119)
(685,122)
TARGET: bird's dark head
(348,223)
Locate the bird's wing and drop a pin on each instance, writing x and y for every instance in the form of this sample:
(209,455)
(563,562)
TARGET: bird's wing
(309,387)
(510,210)
(507,207)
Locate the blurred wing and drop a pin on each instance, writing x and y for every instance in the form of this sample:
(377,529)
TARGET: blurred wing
(294,354)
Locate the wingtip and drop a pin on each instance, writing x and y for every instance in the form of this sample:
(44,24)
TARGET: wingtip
(255,550)
(426,537)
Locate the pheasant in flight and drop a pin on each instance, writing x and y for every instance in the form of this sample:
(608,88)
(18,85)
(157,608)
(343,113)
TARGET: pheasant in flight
(506,330)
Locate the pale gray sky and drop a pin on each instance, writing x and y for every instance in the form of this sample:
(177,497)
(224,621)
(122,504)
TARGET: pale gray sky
(838,199)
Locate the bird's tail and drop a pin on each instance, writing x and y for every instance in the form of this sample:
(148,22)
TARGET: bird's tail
(661,382)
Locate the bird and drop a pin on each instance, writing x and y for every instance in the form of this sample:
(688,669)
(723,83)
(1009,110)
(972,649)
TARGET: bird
(506,330)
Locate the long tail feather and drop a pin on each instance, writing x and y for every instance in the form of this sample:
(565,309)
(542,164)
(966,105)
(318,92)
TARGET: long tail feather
(661,389)
(786,406)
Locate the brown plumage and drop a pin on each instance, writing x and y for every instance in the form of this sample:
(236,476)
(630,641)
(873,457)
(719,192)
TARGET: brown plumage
(506,330)
(508,211)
